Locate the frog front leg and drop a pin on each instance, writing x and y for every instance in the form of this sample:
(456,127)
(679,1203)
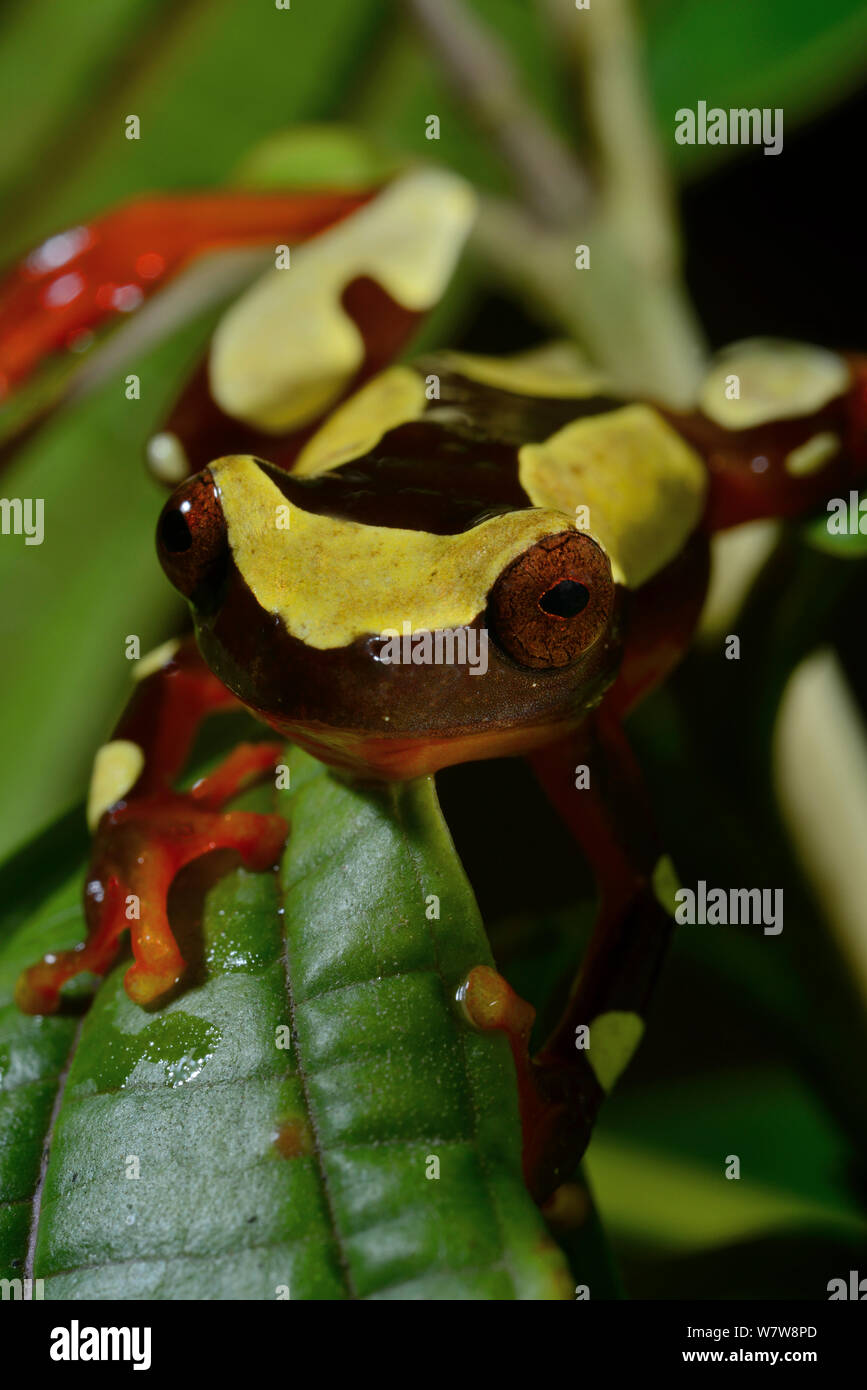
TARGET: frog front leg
(145,831)
(595,784)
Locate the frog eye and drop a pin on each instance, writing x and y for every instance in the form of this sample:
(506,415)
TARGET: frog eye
(192,539)
(553,602)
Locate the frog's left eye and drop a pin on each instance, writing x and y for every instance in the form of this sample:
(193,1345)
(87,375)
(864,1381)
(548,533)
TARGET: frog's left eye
(552,603)
(192,539)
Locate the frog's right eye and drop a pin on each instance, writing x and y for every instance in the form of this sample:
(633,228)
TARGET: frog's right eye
(192,539)
(554,602)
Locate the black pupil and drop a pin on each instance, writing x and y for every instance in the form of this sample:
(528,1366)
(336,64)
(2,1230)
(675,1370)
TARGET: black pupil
(176,532)
(565,599)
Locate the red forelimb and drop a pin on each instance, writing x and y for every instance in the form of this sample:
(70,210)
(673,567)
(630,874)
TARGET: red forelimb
(149,831)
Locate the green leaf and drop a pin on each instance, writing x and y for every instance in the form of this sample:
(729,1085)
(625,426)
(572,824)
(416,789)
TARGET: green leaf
(212,80)
(662,1182)
(93,582)
(796,55)
(264,1166)
(51,62)
(315,156)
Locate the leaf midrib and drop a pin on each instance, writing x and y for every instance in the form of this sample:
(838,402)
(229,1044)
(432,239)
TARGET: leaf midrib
(345,1270)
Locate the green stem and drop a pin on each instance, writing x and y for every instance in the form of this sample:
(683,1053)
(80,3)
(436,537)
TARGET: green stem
(642,333)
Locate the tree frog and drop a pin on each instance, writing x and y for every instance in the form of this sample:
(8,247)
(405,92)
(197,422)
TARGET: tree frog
(347,532)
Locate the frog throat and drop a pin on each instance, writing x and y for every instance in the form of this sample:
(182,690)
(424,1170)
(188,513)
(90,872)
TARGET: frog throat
(332,581)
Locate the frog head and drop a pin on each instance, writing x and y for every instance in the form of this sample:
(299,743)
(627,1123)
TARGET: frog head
(383,646)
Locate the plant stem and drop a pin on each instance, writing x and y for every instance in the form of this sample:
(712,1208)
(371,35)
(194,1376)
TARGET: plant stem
(602,47)
(641,332)
(552,182)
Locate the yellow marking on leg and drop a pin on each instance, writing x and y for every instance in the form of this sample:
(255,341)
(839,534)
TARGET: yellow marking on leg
(643,484)
(814,454)
(155,660)
(167,458)
(393,398)
(666,883)
(776,380)
(116,769)
(332,581)
(613,1039)
(285,350)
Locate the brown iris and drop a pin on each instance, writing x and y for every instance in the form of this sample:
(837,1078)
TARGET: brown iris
(192,540)
(552,603)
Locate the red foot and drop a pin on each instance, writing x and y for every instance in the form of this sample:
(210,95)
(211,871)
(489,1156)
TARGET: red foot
(140,846)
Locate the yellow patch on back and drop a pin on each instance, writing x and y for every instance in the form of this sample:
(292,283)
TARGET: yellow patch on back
(809,457)
(775,380)
(286,349)
(333,581)
(116,769)
(556,370)
(613,1039)
(643,484)
(392,398)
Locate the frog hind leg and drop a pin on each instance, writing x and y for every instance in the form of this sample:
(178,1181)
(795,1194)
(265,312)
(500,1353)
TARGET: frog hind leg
(150,832)
(604,1018)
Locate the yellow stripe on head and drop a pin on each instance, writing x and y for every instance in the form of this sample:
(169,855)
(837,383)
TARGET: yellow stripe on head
(332,581)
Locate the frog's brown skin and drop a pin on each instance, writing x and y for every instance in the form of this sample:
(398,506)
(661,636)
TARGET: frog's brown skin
(445,470)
